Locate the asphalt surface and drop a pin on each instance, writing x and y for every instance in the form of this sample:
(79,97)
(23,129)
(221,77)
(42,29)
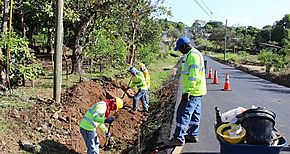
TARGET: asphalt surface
(247,90)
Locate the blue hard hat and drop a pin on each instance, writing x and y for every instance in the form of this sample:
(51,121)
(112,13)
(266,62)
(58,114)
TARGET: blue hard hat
(133,70)
(181,41)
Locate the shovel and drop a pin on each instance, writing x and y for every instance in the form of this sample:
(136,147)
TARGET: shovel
(127,89)
(107,137)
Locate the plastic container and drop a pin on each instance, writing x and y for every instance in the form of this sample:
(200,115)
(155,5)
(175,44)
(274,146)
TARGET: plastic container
(230,116)
(259,124)
(227,148)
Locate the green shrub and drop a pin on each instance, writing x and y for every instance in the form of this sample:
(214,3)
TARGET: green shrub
(23,64)
(270,59)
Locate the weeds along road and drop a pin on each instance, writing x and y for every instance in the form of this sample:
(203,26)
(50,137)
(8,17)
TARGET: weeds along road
(247,90)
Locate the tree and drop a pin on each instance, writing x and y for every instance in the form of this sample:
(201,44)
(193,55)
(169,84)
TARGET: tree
(104,51)
(280,32)
(214,24)
(81,15)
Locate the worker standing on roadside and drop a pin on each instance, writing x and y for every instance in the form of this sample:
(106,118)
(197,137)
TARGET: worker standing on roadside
(139,81)
(145,71)
(96,116)
(193,88)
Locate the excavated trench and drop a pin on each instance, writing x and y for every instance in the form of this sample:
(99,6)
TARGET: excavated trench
(54,128)
(158,127)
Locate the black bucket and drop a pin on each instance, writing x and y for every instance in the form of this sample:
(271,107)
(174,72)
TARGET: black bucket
(259,124)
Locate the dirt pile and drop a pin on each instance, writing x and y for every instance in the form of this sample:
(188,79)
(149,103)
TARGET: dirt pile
(57,125)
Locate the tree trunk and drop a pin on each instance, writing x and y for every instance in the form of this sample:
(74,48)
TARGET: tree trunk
(48,43)
(29,35)
(77,57)
(132,48)
(4,30)
(66,62)
(5,16)
(22,23)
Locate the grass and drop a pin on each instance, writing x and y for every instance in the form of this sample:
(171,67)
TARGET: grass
(158,74)
(3,124)
(236,57)
(12,100)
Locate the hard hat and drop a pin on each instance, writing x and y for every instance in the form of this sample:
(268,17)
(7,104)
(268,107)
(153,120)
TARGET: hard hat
(119,103)
(141,64)
(133,70)
(230,133)
(142,67)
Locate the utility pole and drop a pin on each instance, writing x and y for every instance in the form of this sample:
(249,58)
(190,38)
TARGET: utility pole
(225,50)
(58,52)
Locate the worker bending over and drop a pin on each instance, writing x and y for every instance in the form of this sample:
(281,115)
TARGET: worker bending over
(95,117)
(138,80)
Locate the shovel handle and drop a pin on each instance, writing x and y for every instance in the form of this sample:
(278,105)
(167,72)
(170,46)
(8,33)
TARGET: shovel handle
(128,85)
(107,138)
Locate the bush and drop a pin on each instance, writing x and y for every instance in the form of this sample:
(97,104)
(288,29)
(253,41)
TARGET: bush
(243,53)
(270,59)
(23,64)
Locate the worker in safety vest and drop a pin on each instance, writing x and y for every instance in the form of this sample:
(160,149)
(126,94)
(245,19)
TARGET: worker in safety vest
(138,80)
(95,117)
(145,71)
(193,88)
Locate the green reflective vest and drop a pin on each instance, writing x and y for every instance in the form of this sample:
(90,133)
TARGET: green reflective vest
(139,81)
(95,117)
(193,73)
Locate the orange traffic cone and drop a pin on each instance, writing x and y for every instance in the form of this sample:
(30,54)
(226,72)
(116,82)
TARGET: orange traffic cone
(209,73)
(215,78)
(227,86)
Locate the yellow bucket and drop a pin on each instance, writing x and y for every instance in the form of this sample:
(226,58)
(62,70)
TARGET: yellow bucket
(231,133)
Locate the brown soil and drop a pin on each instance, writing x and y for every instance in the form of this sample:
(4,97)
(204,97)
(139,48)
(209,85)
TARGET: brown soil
(55,127)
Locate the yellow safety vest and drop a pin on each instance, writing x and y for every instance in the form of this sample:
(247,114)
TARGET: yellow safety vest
(193,73)
(95,117)
(139,81)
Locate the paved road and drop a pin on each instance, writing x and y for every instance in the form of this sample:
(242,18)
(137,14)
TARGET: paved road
(247,90)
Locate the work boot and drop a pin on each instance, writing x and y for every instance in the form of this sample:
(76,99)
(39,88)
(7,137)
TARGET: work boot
(133,111)
(146,113)
(192,139)
(144,110)
(174,142)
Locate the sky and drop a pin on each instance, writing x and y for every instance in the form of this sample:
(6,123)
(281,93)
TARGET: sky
(257,13)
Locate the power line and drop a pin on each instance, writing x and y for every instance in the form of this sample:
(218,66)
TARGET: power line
(202,8)
(208,9)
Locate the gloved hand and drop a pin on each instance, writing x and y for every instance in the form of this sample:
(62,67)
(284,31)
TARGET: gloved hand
(185,97)
(109,120)
(108,134)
